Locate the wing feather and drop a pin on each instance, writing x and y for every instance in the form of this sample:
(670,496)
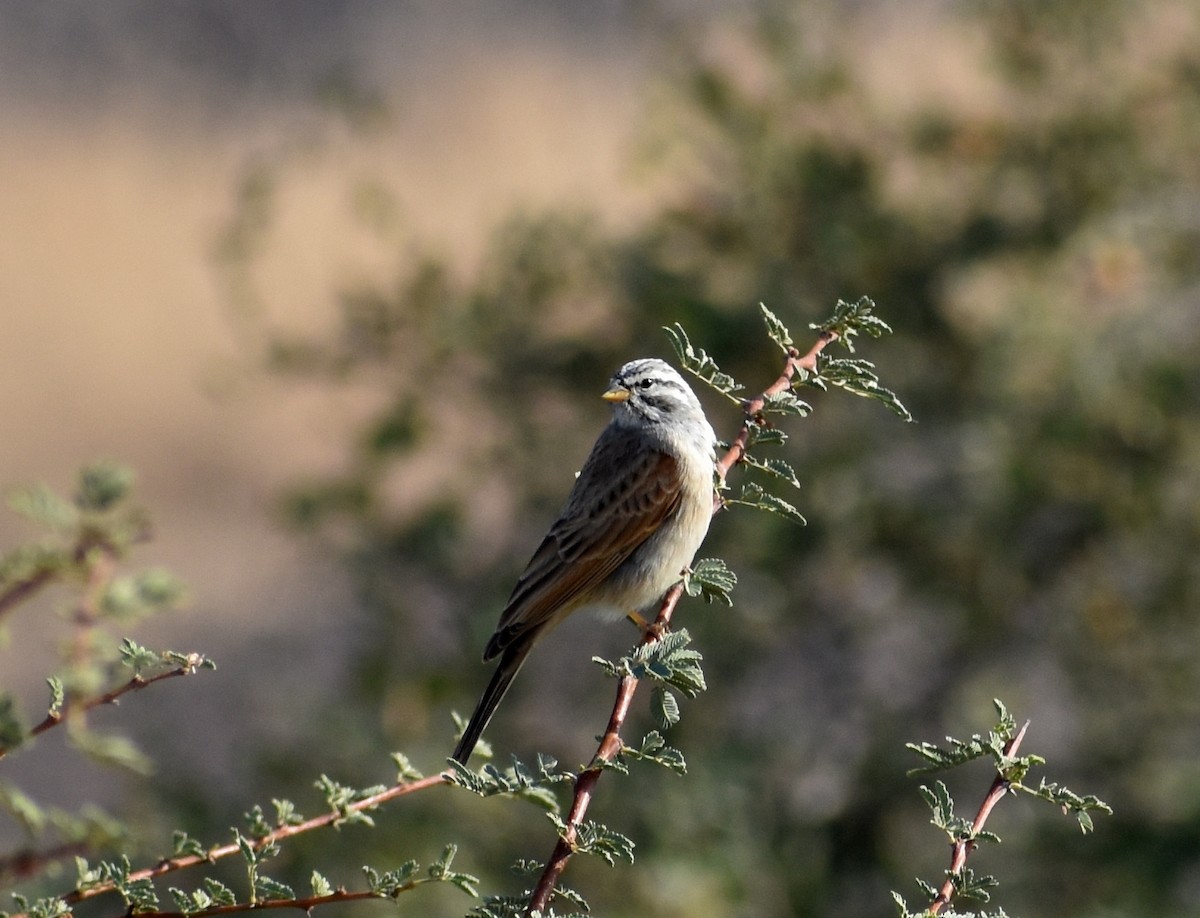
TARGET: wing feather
(616,504)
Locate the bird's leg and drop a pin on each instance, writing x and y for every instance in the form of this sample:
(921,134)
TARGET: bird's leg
(649,629)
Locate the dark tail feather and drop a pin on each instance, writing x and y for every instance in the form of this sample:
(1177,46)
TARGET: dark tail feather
(510,665)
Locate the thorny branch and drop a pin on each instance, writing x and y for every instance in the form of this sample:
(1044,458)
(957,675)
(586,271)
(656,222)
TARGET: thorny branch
(610,743)
(585,784)
(135,684)
(169,865)
(963,847)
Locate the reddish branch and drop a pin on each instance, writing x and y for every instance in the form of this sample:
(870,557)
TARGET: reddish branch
(27,863)
(169,865)
(16,593)
(610,743)
(136,684)
(963,847)
(306,904)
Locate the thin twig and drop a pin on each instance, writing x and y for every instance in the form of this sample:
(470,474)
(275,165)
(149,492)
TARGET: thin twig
(170,865)
(962,848)
(610,744)
(136,684)
(14,594)
(306,904)
(27,863)
(795,362)
(610,747)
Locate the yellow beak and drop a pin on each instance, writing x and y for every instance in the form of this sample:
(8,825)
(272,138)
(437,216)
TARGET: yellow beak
(616,394)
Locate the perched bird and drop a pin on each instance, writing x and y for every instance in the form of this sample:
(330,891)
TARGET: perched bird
(633,521)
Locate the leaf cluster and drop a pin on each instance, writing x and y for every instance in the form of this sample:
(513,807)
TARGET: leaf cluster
(518,780)
(965,834)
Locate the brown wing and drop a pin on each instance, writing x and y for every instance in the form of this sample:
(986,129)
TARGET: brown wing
(616,504)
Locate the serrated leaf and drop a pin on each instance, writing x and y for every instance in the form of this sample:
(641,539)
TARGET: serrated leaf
(695,361)
(786,402)
(763,434)
(777,468)
(111,749)
(285,812)
(655,749)
(12,729)
(183,845)
(220,893)
(405,770)
(102,485)
(267,889)
(256,822)
(754,496)
(320,885)
(664,708)
(58,696)
(188,904)
(712,579)
(22,808)
(850,319)
(858,378)
(776,329)
(42,505)
(598,839)
(138,658)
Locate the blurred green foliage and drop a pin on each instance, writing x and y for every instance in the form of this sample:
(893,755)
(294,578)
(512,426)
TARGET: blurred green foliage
(1034,536)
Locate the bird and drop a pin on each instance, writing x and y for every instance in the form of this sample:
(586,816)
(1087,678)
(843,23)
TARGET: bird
(632,523)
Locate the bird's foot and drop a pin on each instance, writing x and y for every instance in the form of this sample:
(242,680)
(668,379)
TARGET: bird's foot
(652,630)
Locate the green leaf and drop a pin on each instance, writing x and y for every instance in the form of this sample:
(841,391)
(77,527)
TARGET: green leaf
(285,813)
(518,780)
(664,707)
(183,845)
(320,885)
(58,696)
(219,892)
(776,468)
(655,749)
(599,840)
(12,730)
(139,658)
(266,889)
(1069,802)
(858,378)
(405,771)
(712,579)
(763,434)
(851,319)
(970,886)
(960,752)
(668,661)
(342,800)
(138,895)
(102,485)
(393,882)
(22,808)
(191,903)
(53,907)
(695,361)
(776,329)
(111,749)
(256,823)
(43,506)
(28,565)
(785,402)
(754,496)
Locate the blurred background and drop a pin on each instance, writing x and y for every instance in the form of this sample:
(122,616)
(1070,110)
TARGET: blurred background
(342,282)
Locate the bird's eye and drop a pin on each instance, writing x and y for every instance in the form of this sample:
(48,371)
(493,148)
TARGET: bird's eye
(646,383)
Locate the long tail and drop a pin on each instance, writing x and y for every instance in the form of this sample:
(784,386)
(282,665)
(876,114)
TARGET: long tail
(510,665)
